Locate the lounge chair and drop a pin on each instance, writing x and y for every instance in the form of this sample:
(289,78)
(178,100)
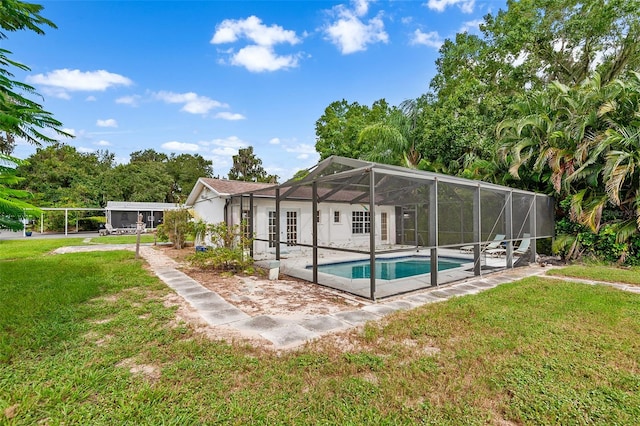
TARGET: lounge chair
(518,251)
(110,230)
(497,240)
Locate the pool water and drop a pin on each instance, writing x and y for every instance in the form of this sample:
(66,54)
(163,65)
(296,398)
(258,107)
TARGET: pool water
(388,269)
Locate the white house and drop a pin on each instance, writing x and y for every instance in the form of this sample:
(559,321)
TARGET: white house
(378,213)
(339,224)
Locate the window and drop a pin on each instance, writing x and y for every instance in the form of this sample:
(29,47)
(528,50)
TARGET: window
(292,228)
(361,222)
(317,216)
(272,228)
(384,226)
(336,217)
(245,224)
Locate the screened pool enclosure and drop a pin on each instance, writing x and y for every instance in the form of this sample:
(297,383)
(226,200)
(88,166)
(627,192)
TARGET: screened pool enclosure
(376,230)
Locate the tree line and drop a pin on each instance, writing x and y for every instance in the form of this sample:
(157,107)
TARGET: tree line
(545,98)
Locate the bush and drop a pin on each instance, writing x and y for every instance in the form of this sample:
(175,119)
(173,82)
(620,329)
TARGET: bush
(176,226)
(228,250)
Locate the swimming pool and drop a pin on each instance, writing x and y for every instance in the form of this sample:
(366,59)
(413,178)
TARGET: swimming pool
(388,268)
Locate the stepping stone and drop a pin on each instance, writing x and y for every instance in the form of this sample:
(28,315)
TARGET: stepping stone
(226,316)
(261,323)
(356,317)
(399,305)
(380,309)
(324,323)
(289,335)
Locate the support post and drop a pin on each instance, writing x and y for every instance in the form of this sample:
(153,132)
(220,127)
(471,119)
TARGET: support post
(433,231)
(477,267)
(314,209)
(277,223)
(251,224)
(508,213)
(533,233)
(372,234)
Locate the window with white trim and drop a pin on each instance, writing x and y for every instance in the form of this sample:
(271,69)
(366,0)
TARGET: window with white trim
(360,222)
(336,216)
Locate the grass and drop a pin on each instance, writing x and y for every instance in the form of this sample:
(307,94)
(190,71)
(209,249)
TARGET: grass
(600,273)
(90,340)
(124,239)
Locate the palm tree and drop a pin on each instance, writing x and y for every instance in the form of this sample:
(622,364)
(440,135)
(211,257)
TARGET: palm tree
(395,139)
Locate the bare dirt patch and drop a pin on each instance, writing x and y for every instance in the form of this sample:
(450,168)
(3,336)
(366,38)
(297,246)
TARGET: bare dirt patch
(256,295)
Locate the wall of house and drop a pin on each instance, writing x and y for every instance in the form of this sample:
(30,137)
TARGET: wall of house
(209,207)
(330,232)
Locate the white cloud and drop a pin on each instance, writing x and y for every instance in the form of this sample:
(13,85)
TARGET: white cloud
(85,150)
(91,98)
(225,151)
(230,116)
(350,33)
(192,103)
(471,26)
(224,147)
(129,100)
(103,143)
(274,141)
(76,80)
(259,55)
(252,28)
(304,151)
(72,132)
(465,6)
(431,39)
(110,122)
(262,58)
(180,146)
(230,142)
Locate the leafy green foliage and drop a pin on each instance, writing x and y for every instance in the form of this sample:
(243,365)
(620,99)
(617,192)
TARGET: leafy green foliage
(13,207)
(248,168)
(227,249)
(338,129)
(176,226)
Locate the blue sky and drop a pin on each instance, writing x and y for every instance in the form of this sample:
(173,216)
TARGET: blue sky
(210,77)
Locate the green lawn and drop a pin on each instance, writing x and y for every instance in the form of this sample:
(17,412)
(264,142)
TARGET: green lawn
(86,338)
(600,273)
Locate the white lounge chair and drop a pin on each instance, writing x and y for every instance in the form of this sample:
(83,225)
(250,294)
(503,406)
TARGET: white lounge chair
(110,230)
(497,240)
(518,251)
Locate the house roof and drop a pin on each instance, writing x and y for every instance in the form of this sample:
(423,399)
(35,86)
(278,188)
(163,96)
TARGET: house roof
(135,206)
(224,188)
(230,187)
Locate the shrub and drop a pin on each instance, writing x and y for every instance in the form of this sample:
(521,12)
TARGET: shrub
(176,226)
(228,250)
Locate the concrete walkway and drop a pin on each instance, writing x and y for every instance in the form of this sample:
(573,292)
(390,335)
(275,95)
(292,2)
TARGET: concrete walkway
(285,333)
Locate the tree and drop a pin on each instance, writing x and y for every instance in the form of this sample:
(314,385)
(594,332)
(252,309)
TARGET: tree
(13,207)
(141,181)
(20,117)
(59,175)
(247,167)
(524,47)
(185,169)
(337,130)
(148,155)
(584,139)
(395,139)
